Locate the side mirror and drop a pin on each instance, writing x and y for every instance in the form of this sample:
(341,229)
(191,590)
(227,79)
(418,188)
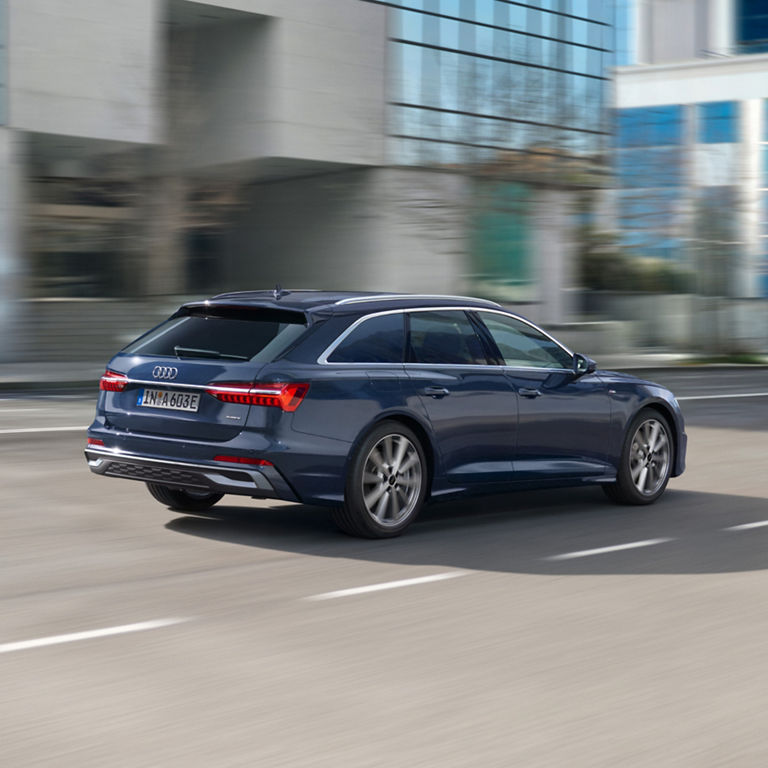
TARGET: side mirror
(583,364)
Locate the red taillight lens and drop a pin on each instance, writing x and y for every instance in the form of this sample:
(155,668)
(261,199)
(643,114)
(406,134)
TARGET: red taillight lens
(244,460)
(94,441)
(113,382)
(287,395)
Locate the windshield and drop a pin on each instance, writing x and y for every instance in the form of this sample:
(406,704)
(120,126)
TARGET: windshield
(229,333)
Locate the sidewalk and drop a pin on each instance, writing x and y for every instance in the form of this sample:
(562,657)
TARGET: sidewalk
(84,376)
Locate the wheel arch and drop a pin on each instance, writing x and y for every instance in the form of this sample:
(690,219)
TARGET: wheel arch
(416,426)
(664,409)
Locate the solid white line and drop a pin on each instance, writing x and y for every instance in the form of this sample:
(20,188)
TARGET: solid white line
(605,550)
(40,642)
(747,526)
(386,585)
(724,397)
(30,430)
(18,410)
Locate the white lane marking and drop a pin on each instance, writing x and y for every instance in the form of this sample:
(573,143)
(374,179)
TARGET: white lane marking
(40,642)
(30,430)
(605,550)
(19,410)
(747,526)
(723,397)
(386,585)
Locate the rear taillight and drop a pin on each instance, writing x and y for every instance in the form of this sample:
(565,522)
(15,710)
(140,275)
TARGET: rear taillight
(287,395)
(244,460)
(95,441)
(113,382)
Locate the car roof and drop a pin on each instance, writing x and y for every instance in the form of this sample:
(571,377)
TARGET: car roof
(337,302)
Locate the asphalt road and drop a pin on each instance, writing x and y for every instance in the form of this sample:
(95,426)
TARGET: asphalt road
(524,634)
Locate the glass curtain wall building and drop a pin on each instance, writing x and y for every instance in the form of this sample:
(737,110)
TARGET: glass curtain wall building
(512,93)
(472,78)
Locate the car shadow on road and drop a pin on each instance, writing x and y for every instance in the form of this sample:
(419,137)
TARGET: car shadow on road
(520,533)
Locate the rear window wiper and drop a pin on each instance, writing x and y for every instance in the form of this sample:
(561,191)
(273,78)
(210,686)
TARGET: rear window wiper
(193,352)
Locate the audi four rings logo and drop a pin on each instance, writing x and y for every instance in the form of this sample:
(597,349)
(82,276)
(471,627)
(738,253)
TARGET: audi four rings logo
(165,372)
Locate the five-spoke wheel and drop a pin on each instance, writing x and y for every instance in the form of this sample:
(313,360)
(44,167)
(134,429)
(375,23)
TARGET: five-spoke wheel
(386,484)
(646,460)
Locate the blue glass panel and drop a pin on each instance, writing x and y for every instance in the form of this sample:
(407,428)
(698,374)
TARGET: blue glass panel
(765,166)
(465,78)
(718,122)
(650,126)
(765,119)
(752,22)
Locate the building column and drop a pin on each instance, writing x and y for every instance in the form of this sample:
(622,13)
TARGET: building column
(749,208)
(11,265)
(163,263)
(554,253)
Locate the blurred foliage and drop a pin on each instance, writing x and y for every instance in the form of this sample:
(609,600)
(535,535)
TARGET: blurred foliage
(604,265)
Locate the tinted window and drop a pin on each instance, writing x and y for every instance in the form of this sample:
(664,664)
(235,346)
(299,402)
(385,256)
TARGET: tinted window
(523,346)
(226,333)
(444,337)
(376,340)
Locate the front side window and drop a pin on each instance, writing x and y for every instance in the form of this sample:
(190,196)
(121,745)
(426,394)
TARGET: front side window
(376,340)
(523,346)
(444,337)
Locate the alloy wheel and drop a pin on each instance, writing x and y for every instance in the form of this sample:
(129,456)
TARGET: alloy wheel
(392,479)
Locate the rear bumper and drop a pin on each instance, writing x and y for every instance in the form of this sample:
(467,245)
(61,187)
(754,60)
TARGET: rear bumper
(262,483)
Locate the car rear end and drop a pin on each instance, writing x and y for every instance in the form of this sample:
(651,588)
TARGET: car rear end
(184,406)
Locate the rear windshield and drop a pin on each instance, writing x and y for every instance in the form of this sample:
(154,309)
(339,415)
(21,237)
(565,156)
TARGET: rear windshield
(222,333)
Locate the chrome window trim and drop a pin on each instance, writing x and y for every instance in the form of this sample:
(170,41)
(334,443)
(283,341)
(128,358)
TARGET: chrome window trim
(535,327)
(323,359)
(405,296)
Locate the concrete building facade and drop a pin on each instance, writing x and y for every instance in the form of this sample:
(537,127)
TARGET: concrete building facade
(170,147)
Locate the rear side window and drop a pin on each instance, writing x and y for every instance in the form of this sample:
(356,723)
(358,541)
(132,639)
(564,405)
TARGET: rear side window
(445,337)
(376,340)
(228,333)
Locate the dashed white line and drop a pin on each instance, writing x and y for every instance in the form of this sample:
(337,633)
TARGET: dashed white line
(386,585)
(747,526)
(30,430)
(606,550)
(40,642)
(723,397)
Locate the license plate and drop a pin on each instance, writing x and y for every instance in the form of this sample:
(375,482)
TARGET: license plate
(174,401)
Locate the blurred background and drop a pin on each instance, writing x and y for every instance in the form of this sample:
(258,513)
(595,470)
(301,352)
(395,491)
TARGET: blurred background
(601,165)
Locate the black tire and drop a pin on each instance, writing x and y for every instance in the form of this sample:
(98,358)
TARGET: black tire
(644,469)
(183,501)
(386,483)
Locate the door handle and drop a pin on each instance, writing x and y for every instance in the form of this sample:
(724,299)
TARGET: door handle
(525,392)
(436,392)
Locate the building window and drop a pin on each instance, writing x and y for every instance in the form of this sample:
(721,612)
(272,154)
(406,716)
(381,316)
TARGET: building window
(752,26)
(718,122)
(650,126)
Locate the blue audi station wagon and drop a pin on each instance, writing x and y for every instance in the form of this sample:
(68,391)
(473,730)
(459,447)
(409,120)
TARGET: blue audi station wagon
(372,404)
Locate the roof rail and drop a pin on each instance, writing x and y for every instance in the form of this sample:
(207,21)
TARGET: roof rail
(401,296)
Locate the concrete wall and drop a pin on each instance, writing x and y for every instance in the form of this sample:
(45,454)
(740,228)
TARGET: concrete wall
(692,82)
(376,229)
(300,80)
(676,30)
(85,68)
